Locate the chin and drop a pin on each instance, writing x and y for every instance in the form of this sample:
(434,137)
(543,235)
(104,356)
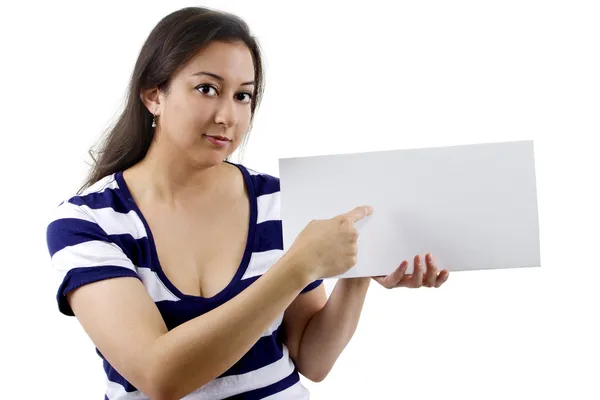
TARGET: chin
(211,158)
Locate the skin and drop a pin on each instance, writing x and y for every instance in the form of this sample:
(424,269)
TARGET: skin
(183,180)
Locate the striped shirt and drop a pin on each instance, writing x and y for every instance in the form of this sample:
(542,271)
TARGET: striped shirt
(101,234)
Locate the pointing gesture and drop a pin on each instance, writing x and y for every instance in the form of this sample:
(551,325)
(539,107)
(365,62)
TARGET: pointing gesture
(328,248)
(358,213)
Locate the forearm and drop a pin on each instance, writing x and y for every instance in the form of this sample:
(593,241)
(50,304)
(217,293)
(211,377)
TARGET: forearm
(330,329)
(198,351)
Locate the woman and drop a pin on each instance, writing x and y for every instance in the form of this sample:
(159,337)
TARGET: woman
(171,255)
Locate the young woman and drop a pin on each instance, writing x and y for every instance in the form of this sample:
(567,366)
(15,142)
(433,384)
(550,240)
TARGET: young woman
(171,255)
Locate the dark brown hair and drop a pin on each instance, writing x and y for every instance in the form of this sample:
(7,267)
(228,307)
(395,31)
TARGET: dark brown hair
(173,42)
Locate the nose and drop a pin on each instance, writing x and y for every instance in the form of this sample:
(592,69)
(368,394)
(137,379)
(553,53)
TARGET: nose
(225,113)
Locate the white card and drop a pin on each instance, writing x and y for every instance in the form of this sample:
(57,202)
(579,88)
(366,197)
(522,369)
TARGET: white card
(474,207)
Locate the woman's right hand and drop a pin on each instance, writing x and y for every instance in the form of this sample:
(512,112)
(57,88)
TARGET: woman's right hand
(329,247)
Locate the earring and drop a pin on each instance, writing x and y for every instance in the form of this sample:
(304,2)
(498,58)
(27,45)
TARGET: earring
(154,121)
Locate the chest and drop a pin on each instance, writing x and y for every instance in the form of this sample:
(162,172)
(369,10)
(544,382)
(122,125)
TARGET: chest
(201,251)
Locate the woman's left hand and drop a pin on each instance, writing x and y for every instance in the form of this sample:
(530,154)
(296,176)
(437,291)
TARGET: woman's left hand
(428,278)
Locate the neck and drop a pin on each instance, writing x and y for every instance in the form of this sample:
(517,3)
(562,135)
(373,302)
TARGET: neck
(170,179)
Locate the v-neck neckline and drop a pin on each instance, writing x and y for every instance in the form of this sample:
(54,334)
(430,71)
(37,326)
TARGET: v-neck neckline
(243,266)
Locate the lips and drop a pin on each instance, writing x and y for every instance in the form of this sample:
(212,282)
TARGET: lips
(219,137)
(219,141)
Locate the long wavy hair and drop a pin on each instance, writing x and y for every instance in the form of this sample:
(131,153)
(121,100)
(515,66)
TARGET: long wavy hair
(173,42)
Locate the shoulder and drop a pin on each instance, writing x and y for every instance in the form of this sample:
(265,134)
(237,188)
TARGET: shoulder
(80,206)
(265,188)
(264,183)
(97,212)
(102,191)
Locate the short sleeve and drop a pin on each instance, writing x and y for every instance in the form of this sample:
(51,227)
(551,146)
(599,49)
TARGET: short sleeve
(82,252)
(312,286)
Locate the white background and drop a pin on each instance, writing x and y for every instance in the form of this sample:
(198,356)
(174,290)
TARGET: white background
(341,77)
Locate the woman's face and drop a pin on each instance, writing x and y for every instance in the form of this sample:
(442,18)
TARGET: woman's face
(206,113)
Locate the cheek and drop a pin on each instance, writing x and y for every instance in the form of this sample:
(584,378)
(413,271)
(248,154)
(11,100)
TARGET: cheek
(187,122)
(198,119)
(243,123)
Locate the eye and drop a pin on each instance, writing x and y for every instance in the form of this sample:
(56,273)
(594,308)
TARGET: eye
(244,97)
(207,90)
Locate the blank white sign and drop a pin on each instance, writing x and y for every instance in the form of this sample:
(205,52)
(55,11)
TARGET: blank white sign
(474,207)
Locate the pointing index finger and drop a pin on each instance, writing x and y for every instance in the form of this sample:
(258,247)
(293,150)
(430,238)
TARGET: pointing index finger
(359,213)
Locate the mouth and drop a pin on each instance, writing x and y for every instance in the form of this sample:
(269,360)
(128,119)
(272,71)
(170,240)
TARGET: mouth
(217,140)
(218,137)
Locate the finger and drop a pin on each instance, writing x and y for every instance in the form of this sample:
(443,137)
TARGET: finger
(395,277)
(432,272)
(417,275)
(380,279)
(406,281)
(359,213)
(442,277)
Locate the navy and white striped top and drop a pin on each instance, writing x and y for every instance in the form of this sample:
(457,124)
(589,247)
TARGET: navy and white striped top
(102,234)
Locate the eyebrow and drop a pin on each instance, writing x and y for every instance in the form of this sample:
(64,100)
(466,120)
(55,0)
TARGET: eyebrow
(217,77)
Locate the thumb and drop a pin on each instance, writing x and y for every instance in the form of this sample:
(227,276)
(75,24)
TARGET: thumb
(359,213)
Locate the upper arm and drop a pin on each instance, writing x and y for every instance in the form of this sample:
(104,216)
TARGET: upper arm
(123,322)
(101,288)
(298,315)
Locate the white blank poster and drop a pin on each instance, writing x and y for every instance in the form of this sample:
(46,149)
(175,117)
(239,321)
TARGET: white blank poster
(474,207)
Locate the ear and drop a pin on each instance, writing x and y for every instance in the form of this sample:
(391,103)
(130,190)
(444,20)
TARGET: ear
(152,100)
